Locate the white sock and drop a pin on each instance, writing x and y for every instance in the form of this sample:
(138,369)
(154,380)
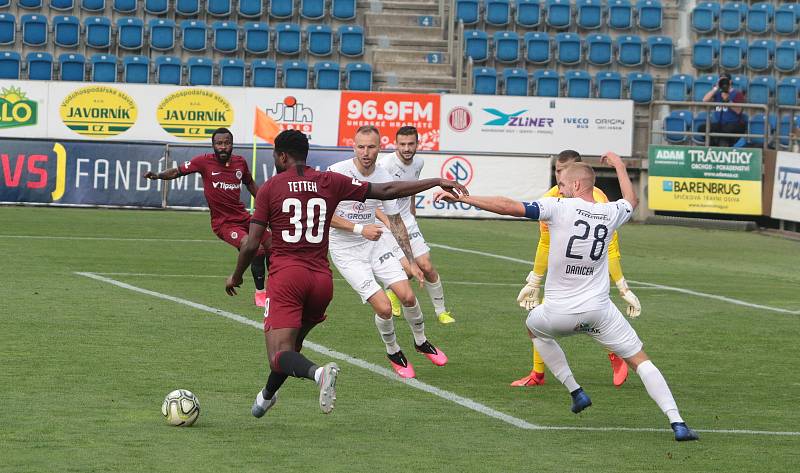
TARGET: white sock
(657,388)
(553,356)
(436,294)
(318,374)
(416,321)
(386,329)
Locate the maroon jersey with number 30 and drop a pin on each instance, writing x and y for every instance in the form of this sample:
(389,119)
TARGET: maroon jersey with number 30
(298,208)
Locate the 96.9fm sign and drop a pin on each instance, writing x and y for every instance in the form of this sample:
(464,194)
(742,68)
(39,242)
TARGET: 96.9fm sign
(390,112)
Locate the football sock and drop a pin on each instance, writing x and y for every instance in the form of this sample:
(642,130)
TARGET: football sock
(294,364)
(538,363)
(554,358)
(274,382)
(436,294)
(657,388)
(259,270)
(416,321)
(386,329)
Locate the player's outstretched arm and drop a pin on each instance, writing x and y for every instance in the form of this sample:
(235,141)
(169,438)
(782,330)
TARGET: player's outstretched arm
(625,185)
(495,204)
(166,175)
(397,189)
(246,254)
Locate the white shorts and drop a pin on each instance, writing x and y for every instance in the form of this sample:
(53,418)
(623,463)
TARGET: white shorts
(607,326)
(418,245)
(366,264)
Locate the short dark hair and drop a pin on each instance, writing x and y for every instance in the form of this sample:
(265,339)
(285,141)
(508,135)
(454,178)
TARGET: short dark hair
(221,131)
(292,142)
(569,155)
(407,131)
(368,129)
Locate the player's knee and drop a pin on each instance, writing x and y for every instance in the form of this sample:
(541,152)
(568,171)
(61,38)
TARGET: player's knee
(381,305)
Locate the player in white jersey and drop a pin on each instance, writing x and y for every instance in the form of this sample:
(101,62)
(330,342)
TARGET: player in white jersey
(402,166)
(576,291)
(365,260)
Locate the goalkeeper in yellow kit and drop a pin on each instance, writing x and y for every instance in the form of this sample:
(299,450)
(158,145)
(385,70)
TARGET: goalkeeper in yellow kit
(529,295)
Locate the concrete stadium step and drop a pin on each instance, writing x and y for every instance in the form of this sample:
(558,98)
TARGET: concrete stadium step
(405,32)
(433,82)
(379,20)
(411,44)
(413,89)
(407,55)
(415,68)
(427,6)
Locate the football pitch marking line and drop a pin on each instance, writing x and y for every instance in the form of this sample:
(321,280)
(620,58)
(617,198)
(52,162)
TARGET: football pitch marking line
(446,395)
(651,285)
(54,237)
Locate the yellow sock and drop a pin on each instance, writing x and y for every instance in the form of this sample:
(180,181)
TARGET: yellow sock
(538,364)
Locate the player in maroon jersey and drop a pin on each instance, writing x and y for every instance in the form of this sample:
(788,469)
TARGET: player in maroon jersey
(223,176)
(297,204)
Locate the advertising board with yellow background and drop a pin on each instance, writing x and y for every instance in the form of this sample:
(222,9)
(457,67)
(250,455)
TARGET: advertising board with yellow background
(98,111)
(705,180)
(194,114)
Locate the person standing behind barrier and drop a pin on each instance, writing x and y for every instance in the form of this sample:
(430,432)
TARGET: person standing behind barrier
(726,118)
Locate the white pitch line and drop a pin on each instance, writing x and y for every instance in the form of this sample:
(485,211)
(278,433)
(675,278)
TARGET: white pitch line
(447,395)
(53,237)
(659,286)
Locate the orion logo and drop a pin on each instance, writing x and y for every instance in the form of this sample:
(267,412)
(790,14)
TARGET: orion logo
(517,119)
(459,169)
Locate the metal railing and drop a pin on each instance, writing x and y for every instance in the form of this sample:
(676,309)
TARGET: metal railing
(793,134)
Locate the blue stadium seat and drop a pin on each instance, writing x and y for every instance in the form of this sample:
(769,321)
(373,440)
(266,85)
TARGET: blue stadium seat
(732,17)
(640,87)
(327,75)
(66,31)
(702,84)
(497,12)
(187,7)
(226,36)
(295,75)
(231,72)
(630,50)
(8,28)
(757,125)
(698,123)
(537,47)
(34,30)
(168,70)
(761,89)
(661,51)
(98,32)
(705,53)
(590,14)
(578,84)
(546,83)
(485,81)
(732,53)
(162,34)
(740,81)
(250,8)
(786,55)
(256,37)
(194,35)
(287,39)
(60,5)
(476,45)
(649,14)
(351,40)
(609,85)
(759,17)
(4,3)
(136,69)
(130,33)
(313,10)
(568,48)
(358,76)
(786,19)
(219,7)
(516,81)
(263,73)
(72,67)
(506,46)
(281,9)
(786,91)
(10,65)
(558,13)
(678,88)
(599,49)
(156,7)
(345,10)
(528,13)
(468,11)
(620,14)
(40,66)
(94,6)
(760,54)
(104,68)
(320,42)
(676,124)
(30,4)
(200,71)
(705,16)
(784,128)
(122,6)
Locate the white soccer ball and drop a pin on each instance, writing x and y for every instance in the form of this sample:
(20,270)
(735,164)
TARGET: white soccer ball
(180,408)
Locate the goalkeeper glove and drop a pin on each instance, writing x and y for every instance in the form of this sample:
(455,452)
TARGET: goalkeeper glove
(634,306)
(528,297)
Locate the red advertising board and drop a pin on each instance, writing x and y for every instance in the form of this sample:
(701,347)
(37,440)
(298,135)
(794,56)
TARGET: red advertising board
(390,112)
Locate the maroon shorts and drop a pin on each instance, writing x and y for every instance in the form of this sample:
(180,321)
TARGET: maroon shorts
(234,233)
(296,297)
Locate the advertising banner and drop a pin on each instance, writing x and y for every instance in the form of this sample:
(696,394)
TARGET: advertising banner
(535,125)
(23,109)
(699,179)
(786,190)
(314,112)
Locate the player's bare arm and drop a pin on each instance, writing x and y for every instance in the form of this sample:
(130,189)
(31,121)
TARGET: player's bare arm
(495,204)
(625,185)
(382,217)
(400,233)
(397,189)
(252,188)
(246,254)
(371,232)
(166,175)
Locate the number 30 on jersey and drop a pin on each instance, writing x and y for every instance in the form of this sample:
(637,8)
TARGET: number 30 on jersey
(313,228)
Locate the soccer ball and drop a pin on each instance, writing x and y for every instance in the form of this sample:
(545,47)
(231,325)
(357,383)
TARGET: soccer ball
(180,408)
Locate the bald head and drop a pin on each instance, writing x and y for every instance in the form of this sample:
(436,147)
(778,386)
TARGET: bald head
(576,179)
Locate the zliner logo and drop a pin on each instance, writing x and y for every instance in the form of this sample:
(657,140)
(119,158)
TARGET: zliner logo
(459,119)
(789,180)
(225,186)
(516,119)
(457,169)
(16,109)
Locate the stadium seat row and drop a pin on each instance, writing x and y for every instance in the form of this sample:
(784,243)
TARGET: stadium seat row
(280,9)
(757,18)
(759,89)
(199,71)
(678,122)
(558,14)
(224,36)
(569,48)
(734,54)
